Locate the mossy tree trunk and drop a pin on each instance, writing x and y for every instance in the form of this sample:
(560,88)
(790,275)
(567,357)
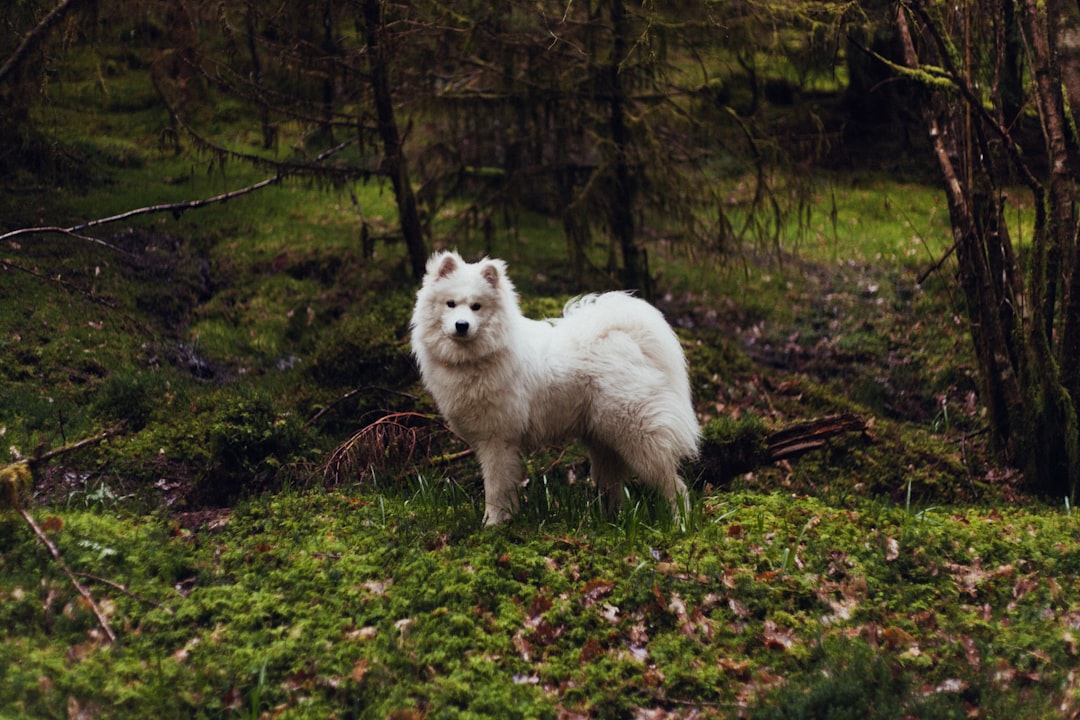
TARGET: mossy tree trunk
(1025,325)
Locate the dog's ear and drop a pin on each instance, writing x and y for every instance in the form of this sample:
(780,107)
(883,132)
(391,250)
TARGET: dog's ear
(492,273)
(444,264)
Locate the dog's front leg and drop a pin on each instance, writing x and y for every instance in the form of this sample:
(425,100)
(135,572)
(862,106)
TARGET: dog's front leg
(501,466)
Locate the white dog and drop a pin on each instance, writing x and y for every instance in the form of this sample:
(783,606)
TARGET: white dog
(610,372)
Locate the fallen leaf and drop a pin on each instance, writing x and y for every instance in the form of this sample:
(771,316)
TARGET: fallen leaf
(76,711)
(234,699)
(892,549)
(377,587)
(1024,585)
(360,669)
(183,653)
(367,632)
(738,608)
(596,589)
(590,651)
(523,646)
(540,604)
(971,651)
(896,637)
(739,669)
(300,680)
(952,685)
(777,638)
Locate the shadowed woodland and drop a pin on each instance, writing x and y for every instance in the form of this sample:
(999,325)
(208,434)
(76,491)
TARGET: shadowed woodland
(225,493)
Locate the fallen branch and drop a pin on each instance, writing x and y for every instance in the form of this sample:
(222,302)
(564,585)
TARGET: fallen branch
(77,445)
(118,586)
(176,208)
(390,441)
(16,478)
(55,552)
(731,448)
(803,437)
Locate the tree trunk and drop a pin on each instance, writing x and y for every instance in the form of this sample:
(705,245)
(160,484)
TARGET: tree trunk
(1026,334)
(269,135)
(989,331)
(394,164)
(1054,381)
(635,266)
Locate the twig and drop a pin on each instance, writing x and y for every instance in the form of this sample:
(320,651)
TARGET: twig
(123,589)
(937,265)
(77,445)
(16,478)
(352,393)
(175,208)
(55,552)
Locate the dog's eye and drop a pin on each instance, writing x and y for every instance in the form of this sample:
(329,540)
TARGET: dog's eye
(451,303)
(474,307)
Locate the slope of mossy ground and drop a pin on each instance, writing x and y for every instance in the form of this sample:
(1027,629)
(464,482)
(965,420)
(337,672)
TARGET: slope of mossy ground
(895,574)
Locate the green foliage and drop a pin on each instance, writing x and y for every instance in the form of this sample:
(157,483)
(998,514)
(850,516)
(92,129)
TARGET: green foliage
(251,437)
(366,345)
(219,337)
(130,398)
(849,681)
(367,604)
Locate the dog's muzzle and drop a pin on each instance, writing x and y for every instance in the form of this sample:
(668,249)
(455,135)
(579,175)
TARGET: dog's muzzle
(461,327)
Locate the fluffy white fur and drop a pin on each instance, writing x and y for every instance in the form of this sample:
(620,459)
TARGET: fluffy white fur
(610,372)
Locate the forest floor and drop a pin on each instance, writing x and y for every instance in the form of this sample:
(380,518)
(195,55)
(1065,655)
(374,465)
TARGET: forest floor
(220,559)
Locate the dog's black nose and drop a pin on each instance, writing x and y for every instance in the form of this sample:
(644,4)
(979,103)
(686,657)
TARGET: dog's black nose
(462,327)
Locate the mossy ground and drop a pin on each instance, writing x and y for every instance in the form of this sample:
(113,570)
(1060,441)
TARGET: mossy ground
(896,574)
(362,604)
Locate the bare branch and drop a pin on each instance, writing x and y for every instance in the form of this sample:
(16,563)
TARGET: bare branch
(55,552)
(174,208)
(36,36)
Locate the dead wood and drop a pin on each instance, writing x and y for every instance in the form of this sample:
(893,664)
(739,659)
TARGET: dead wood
(804,437)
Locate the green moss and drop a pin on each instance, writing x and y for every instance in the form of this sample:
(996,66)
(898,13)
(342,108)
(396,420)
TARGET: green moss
(730,447)
(366,345)
(312,603)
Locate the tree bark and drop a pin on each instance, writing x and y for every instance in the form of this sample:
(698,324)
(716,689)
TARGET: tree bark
(635,266)
(1026,334)
(1000,390)
(394,163)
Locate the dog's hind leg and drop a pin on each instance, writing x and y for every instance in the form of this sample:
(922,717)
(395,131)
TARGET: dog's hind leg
(609,472)
(656,466)
(674,489)
(501,466)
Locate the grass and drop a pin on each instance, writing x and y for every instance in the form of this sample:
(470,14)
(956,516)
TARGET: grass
(240,343)
(366,604)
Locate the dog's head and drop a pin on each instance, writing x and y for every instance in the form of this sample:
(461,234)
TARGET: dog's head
(462,308)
